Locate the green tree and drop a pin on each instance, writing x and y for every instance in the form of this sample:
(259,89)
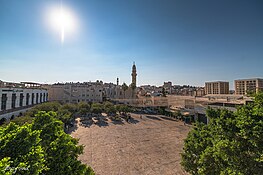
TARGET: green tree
(124,88)
(21,120)
(83,108)
(49,106)
(64,115)
(163,92)
(230,144)
(97,108)
(20,150)
(109,107)
(61,150)
(65,112)
(73,108)
(123,108)
(40,148)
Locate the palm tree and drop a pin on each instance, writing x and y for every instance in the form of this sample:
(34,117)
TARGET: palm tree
(124,88)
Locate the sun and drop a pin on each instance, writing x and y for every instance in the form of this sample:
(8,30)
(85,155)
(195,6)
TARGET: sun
(62,20)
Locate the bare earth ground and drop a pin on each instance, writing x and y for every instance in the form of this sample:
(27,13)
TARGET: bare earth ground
(150,145)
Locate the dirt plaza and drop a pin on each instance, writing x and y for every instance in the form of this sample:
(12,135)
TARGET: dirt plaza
(148,144)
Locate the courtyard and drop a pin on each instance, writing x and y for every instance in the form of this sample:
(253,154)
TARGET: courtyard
(147,144)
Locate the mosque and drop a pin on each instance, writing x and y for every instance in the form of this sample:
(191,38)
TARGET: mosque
(129,91)
(92,91)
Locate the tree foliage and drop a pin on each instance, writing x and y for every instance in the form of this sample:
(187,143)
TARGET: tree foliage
(230,144)
(97,108)
(123,108)
(20,150)
(163,92)
(40,147)
(83,108)
(124,87)
(67,112)
(109,107)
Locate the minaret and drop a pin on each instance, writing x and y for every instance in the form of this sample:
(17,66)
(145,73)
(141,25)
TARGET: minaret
(134,74)
(117,81)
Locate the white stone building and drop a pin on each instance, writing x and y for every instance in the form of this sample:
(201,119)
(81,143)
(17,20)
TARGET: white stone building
(16,98)
(76,92)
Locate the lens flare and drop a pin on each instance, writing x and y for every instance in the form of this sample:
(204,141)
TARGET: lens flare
(62,20)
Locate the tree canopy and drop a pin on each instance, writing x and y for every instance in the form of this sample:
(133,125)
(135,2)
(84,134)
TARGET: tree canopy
(40,148)
(231,143)
(124,87)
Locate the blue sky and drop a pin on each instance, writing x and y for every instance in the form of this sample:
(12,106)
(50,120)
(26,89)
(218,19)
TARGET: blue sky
(186,41)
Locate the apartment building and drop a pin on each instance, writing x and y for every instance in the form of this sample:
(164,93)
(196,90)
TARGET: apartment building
(217,87)
(76,92)
(245,86)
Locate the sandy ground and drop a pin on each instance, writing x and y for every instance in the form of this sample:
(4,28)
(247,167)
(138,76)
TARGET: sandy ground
(150,145)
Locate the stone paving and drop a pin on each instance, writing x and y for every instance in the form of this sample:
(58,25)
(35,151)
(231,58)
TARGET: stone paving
(147,146)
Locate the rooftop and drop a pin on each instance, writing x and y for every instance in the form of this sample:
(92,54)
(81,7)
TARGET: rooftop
(249,79)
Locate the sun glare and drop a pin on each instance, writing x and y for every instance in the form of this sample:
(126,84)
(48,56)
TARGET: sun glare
(63,21)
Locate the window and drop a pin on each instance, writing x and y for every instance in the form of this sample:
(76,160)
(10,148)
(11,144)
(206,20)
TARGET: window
(21,100)
(13,103)
(3,103)
(37,98)
(40,97)
(33,98)
(27,99)
(44,98)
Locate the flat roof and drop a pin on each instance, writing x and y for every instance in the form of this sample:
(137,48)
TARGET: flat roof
(217,82)
(249,79)
(29,83)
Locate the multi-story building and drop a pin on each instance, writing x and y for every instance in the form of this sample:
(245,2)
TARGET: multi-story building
(113,91)
(91,91)
(76,92)
(245,86)
(199,92)
(217,87)
(168,87)
(16,98)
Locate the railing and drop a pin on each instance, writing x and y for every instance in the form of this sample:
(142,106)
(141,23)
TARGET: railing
(15,109)
(19,108)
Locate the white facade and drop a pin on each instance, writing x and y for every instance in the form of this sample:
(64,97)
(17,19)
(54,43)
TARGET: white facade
(16,100)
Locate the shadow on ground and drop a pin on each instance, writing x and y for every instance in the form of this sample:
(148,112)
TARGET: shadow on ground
(117,122)
(72,129)
(133,121)
(153,118)
(168,118)
(102,123)
(86,123)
